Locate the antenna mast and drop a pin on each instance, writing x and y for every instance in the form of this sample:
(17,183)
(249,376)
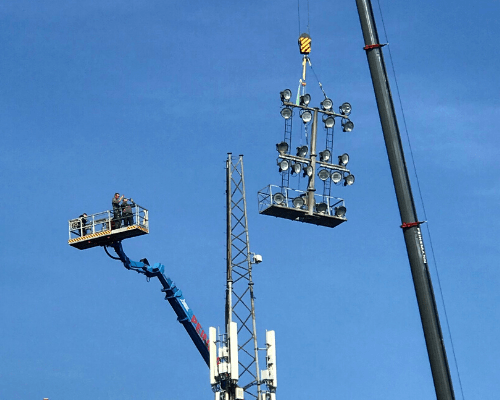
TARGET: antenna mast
(239,290)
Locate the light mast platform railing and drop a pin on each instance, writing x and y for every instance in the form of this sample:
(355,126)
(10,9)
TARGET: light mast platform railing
(281,202)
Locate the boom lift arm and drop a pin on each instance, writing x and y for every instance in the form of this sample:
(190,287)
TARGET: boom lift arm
(172,293)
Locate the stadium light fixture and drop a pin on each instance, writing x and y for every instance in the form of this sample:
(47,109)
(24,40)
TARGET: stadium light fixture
(344,159)
(336,177)
(296,168)
(348,180)
(323,174)
(302,151)
(308,170)
(284,165)
(279,198)
(305,99)
(340,211)
(321,208)
(286,95)
(314,165)
(306,116)
(347,125)
(286,113)
(345,109)
(324,155)
(298,202)
(326,104)
(282,148)
(329,122)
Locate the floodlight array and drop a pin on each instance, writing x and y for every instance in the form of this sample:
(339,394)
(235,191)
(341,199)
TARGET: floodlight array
(304,162)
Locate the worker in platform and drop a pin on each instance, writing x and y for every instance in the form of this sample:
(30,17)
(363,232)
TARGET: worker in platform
(128,217)
(117,210)
(83,223)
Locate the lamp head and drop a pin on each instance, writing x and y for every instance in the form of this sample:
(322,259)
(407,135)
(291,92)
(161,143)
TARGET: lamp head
(345,109)
(347,125)
(302,151)
(284,165)
(298,202)
(326,104)
(305,99)
(308,171)
(329,122)
(324,155)
(296,167)
(340,211)
(323,174)
(282,147)
(286,95)
(278,198)
(336,177)
(321,208)
(344,159)
(349,180)
(306,116)
(286,113)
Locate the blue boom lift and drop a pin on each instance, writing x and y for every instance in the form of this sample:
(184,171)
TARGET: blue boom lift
(97,230)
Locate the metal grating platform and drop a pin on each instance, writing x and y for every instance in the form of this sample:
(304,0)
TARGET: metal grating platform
(295,214)
(106,237)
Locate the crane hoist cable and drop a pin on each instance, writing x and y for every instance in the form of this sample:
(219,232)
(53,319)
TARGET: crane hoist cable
(298,12)
(305,49)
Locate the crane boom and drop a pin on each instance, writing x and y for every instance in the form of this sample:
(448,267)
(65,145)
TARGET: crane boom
(410,224)
(173,294)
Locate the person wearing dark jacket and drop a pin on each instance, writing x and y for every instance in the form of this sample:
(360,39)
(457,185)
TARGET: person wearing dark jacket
(83,222)
(117,210)
(128,218)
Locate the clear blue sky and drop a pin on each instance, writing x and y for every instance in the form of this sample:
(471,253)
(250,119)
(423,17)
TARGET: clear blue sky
(146,98)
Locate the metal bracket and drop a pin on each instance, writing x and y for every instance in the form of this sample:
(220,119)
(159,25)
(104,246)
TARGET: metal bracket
(374,46)
(411,224)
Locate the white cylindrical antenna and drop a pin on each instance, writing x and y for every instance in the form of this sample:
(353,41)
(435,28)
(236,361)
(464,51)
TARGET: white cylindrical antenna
(212,337)
(271,359)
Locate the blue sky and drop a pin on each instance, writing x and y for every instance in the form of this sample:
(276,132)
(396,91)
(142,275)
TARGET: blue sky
(147,98)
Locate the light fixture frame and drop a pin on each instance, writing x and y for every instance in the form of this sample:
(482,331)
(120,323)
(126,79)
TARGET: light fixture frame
(310,163)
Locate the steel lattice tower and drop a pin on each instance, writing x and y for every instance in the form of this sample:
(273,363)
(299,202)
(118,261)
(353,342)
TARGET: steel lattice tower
(239,289)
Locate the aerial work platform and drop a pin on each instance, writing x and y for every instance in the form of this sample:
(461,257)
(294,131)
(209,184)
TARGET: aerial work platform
(103,228)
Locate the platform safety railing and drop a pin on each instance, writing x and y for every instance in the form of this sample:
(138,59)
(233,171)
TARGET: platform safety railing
(106,221)
(267,198)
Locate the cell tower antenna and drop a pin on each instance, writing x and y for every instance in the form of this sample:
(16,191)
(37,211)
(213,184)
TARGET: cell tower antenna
(240,306)
(234,361)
